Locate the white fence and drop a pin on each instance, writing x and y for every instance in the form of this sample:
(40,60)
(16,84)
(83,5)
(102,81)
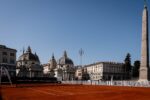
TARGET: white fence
(110,83)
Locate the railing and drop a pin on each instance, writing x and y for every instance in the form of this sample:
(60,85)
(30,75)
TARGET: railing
(111,83)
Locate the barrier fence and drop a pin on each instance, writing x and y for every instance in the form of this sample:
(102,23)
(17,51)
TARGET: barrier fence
(110,83)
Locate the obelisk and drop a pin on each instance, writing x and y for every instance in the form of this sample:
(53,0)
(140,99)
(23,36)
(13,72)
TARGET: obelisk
(143,75)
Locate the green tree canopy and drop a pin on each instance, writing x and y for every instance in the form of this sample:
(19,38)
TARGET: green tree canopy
(136,68)
(127,62)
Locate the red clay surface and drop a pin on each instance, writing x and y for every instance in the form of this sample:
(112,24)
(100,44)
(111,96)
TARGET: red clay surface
(74,92)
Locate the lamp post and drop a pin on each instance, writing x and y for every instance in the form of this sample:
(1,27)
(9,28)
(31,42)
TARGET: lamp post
(81,52)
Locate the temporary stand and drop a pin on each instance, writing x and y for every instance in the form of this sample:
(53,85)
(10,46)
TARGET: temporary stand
(4,70)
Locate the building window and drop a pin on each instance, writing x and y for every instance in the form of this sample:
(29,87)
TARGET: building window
(5,60)
(12,61)
(4,53)
(12,54)
(79,74)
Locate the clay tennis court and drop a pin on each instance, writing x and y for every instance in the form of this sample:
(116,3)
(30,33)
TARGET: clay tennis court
(74,92)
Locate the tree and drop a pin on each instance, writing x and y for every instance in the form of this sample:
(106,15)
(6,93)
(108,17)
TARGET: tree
(127,65)
(85,75)
(127,62)
(136,68)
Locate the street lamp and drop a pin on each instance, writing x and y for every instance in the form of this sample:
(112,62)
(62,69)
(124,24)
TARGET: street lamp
(81,52)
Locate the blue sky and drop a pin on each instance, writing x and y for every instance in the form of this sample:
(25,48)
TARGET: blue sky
(105,29)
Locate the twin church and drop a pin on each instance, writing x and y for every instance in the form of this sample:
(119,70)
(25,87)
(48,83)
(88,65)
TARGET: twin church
(28,65)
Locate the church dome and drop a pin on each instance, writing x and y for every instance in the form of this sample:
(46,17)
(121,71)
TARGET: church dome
(65,60)
(29,56)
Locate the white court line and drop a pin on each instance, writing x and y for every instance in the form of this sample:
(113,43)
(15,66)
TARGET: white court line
(69,93)
(78,89)
(94,92)
(64,92)
(44,92)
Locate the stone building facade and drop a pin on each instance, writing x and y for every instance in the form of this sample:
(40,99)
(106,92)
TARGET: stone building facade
(8,59)
(106,71)
(49,68)
(28,65)
(78,73)
(63,69)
